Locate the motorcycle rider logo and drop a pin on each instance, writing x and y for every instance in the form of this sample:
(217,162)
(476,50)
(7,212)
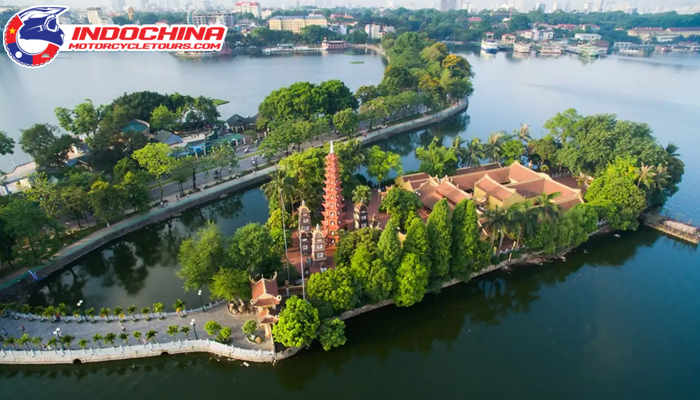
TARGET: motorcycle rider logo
(32,37)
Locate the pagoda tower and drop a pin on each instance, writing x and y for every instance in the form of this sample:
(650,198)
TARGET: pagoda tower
(332,199)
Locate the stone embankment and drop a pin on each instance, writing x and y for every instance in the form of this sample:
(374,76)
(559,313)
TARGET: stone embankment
(103,236)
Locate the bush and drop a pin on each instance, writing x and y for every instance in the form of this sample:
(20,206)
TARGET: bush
(495,259)
(516,254)
(224,336)
(503,256)
(250,327)
(212,327)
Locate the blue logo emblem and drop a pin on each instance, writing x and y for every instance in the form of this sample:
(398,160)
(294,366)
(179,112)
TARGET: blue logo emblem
(32,37)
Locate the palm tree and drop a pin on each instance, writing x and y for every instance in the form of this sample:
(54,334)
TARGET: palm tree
(39,310)
(185,330)
(151,335)
(646,174)
(661,177)
(547,208)
(96,339)
(493,146)
(51,343)
(132,311)
(158,308)
(179,307)
(67,340)
(523,134)
(62,309)
(104,313)
(173,330)
(48,313)
(469,155)
(36,341)
(137,335)
(124,337)
(76,315)
(9,341)
(83,343)
(672,150)
(26,309)
(110,338)
(362,194)
(119,312)
(24,341)
(145,311)
(90,312)
(497,224)
(281,186)
(523,220)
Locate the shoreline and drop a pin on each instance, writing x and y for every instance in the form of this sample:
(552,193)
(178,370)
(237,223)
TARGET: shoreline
(99,238)
(53,357)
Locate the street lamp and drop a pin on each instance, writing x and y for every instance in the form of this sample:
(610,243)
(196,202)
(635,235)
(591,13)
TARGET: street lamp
(199,293)
(80,303)
(194,329)
(57,333)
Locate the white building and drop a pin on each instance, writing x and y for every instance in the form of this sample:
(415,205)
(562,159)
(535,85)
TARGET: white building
(95,16)
(226,18)
(244,7)
(376,31)
(266,13)
(587,37)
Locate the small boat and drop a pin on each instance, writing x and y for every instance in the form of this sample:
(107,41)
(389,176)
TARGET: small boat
(489,46)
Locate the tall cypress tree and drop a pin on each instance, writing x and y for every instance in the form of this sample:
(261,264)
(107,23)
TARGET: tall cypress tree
(471,238)
(465,239)
(411,280)
(439,229)
(389,247)
(417,242)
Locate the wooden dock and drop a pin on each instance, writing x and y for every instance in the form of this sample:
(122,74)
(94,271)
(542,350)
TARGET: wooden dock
(681,230)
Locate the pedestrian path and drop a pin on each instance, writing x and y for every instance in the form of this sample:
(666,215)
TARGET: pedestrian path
(45,330)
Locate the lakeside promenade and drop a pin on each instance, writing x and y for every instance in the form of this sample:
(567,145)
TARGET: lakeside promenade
(93,241)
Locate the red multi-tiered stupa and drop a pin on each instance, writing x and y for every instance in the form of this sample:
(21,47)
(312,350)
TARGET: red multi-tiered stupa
(332,199)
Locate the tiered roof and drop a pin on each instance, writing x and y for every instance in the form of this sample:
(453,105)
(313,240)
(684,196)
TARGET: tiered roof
(332,198)
(265,292)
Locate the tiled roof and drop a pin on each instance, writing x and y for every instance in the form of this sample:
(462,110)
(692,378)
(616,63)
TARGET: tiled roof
(451,192)
(529,189)
(265,292)
(566,205)
(520,173)
(493,188)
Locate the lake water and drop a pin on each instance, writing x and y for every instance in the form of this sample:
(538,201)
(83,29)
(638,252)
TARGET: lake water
(616,320)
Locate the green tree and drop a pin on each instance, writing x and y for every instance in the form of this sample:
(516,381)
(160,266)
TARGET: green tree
(349,241)
(563,125)
(158,308)
(334,286)
(155,158)
(346,122)
(10,341)
(7,144)
(84,119)
(307,171)
(400,204)
(145,311)
(124,337)
(362,194)
(298,323)
(616,196)
(67,340)
(230,284)
(437,160)
(83,343)
(367,93)
(47,150)
(512,150)
(173,330)
(389,246)
(379,163)
(417,242)
(224,336)
(96,338)
(411,281)
(24,220)
(137,335)
(279,229)
(212,327)
(179,307)
(119,312)
(497,224)
(332,333)
(221,156)
(151,335)
(280,188)
(250,327)
(106,201)
(465,238)
(134,191)
(201,256)
(24,341)
(252,248)
(471,154)
(162,118)
(132,311)
(185,331)
(75,201)
(493,149)
(337,97)
(439,228)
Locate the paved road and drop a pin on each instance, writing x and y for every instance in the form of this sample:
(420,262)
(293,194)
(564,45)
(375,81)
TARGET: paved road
(86,330)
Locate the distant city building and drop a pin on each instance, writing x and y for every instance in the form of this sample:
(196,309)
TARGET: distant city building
(296,23)
(244,7)
(446,5)
(376,31)
(203,5)
(555,7)
(587,37)
(540,7)
(266,13)
(197,17)
(95,16)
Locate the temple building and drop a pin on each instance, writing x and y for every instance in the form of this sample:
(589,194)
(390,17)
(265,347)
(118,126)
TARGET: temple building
(319,240)
(332,199)
(361,216)
(490,186)
(265,299)
(305,229)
